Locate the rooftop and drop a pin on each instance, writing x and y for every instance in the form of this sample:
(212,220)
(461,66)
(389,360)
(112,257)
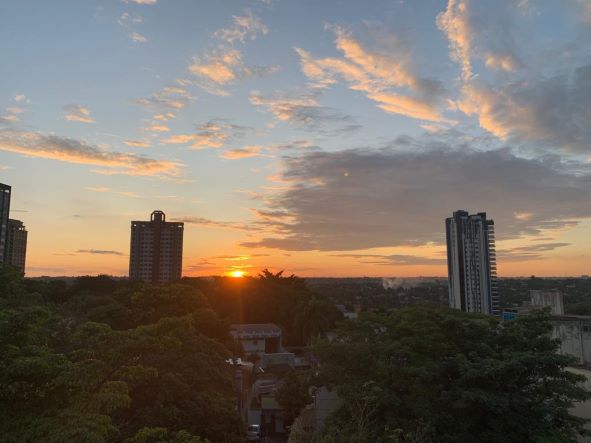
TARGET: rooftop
(262,330)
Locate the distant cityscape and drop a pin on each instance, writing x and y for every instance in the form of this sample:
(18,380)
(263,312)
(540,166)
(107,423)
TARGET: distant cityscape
(156,253)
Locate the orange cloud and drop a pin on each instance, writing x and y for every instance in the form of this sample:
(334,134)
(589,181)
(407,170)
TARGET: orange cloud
(157,128)
(78,113)
(378,75)
(246,26)
(137,143)
(246,152)
(34,144)
(213,134)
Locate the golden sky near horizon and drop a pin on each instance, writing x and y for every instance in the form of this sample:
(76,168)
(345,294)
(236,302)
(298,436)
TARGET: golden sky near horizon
(321,138)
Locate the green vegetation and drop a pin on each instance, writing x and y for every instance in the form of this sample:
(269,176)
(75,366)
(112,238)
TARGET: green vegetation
(272,298)
(110,360)
(103,360)
(429,375)
(293,394)
(107,361)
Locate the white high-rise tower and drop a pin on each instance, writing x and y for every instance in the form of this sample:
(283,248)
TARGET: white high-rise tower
(471,263)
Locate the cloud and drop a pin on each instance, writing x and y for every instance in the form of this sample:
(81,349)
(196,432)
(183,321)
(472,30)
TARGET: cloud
(164,116)
(245,152)
(128,19)
(385,76)
(157,128)
(583,10)
(294,145)
(35,144)
(545,103)
(527,253)
(242,257)
(395,259)
(267,150)
(553,110)
(101,189)
(223,67)
(20,98)
(202,265)
(365,198)
(137,143)
(15,110)
(248,26)
(206,222)
(78,113)
(99,252)
(13,113)
(214,133)
(475,30)
(141,2)
(220,67)
(136,37)
(303,110)
(167,100)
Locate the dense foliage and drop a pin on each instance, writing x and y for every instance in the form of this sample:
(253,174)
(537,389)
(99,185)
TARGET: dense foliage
(429,375)
(272,298)
(97,359)
(108,361)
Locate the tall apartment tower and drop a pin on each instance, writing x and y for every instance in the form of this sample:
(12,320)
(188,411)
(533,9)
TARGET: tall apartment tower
(471,263)
(156,253)
(5,191)
(16,244)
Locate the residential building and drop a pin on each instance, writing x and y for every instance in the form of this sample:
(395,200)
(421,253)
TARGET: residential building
(574,332)
(16,244)
(471,263)
(5,192)
(552,298)
(258,339)
(156,252)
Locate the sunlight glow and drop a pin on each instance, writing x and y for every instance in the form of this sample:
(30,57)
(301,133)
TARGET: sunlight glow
(237,274)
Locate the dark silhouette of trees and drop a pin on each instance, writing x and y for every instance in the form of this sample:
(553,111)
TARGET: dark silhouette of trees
(429,375)
(109,361)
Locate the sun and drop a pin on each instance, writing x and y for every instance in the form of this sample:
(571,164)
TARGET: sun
(237,274)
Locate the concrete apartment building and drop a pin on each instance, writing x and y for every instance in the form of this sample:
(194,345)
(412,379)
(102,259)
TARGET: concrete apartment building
(156,251)
(5,192)
(13,235)
(16,245)
(471,263)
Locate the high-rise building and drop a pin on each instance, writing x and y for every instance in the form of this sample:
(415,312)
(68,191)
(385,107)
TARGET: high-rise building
(5,191)
(156,253)
(16,244)
(471,263)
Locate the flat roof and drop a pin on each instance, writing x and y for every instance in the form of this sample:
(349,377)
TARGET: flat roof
(570,317)
(255,330)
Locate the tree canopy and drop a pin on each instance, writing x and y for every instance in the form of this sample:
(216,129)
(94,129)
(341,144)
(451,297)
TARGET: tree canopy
(430,375)
(102,361)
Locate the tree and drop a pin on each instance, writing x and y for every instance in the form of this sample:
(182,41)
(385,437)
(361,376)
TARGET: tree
(155,372)
(447,376)
(293,394)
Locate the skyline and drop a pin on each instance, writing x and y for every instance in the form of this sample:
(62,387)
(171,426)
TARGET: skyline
(326,140)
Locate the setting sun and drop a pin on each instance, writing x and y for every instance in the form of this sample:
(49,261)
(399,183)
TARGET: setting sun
(237,274)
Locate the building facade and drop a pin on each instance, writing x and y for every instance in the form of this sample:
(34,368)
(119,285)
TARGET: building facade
(16,244)
(471,263)
(156,251)
(258,339)
(5,192)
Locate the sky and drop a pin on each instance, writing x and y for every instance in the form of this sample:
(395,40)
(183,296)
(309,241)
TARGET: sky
(323,138)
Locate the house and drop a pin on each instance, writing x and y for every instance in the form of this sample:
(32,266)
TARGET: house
(258,339)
